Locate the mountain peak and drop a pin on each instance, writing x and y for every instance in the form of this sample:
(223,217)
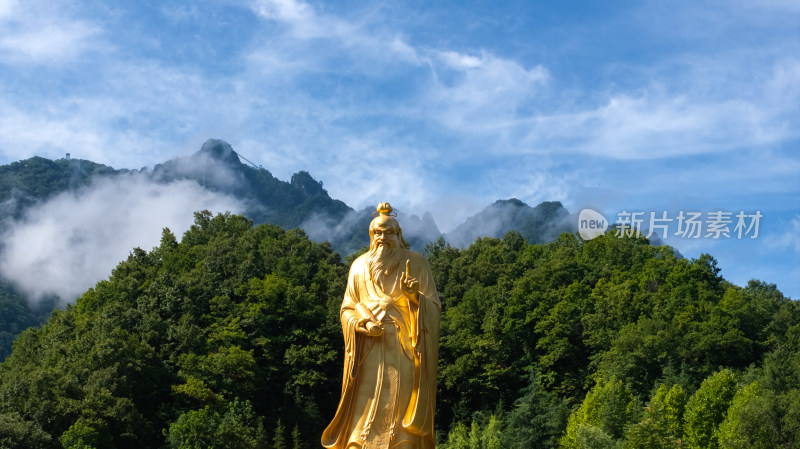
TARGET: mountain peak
(510,202)
(306,184)
(220,150)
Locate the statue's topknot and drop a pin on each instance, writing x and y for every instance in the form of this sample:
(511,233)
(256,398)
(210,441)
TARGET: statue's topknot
(385,209)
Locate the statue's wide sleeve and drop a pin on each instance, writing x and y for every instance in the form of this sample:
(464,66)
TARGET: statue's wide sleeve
(335,431)
(420,412)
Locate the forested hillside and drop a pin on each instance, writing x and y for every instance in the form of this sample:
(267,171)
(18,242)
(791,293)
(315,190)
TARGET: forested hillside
(231,338)
(670,354)
(227,332)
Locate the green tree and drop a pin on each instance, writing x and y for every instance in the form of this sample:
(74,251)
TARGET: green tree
(297,442)
(707,408)
(475,433)
(751,421)
(18,433)
(537,419)
(235,427)
(492,433)
(609,407)
(278,441)
(588,436)
(82,435)
(458,438)
(662,424)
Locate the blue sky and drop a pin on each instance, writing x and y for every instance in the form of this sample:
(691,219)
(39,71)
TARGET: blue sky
(437,106)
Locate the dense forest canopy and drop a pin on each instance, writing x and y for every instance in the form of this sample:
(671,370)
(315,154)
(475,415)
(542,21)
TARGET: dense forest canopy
(230,337)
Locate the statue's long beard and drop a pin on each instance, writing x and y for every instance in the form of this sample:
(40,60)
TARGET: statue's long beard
(382,260)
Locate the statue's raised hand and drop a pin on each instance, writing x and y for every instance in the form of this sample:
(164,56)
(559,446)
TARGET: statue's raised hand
(410,284)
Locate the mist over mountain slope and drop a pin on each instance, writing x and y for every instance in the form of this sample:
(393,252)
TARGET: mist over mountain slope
(23,184)
(67,243)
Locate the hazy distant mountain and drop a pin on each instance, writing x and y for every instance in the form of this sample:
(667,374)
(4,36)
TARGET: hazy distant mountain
(540,224)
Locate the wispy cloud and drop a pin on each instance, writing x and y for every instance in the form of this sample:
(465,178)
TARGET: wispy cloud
(482,93)
(134,115)
(789,239)
(687,106)
(303,22)
(37,32)
(656,126)
(70,242)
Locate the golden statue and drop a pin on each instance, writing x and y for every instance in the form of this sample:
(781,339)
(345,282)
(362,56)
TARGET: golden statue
(390,319)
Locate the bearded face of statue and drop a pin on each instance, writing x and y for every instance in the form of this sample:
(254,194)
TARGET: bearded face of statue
(383,255)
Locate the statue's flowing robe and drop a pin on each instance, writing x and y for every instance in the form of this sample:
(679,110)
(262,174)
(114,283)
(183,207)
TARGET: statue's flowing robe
(389,381)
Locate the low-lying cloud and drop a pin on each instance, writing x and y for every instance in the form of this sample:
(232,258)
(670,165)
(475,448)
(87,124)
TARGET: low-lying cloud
(67,244)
